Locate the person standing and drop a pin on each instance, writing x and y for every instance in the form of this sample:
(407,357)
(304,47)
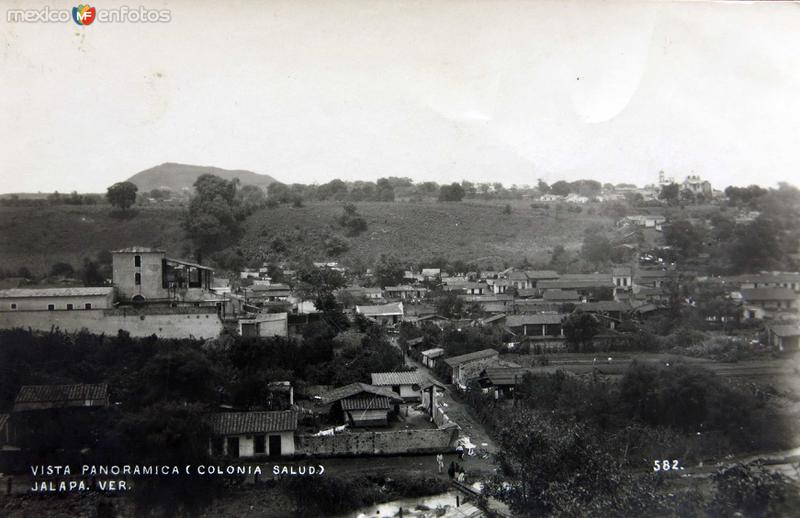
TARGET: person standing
(440,462)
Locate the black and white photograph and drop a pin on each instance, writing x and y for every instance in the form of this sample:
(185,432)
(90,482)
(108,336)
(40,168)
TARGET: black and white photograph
(399,259)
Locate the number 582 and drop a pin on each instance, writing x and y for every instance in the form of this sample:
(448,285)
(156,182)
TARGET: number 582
(666,465)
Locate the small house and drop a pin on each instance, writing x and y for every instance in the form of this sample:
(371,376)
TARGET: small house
(431,356)
(253,434)
(784,337)
(360,404)
(405,384)
(468,366)
(384,314)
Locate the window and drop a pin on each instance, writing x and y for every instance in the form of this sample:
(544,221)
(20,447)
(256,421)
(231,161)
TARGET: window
(51,307)
(13,305)
(137,279)
(260,444)
(137,261)
(88,305)
(70,307)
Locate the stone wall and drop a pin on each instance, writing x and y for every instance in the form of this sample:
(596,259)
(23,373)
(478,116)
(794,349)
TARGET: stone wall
(167,323)
(378,443)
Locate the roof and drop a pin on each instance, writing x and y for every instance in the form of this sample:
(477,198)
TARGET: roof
(57,396)
(189,263)
(785,330)
(270,287)
(239,423)
(623,271)
(542,274)
(522,320)
(767,277)
(366,403)
(431,271)
(603,305)
(768,294)
(477,355)
(493,318)
(516,275)
(561,295)
(405,288)
(3,420)
(433,353)
(353,389)
(415,341)
(584,282)
(504,375)
(100,291)
(381,309)
(396,378)
(138,250)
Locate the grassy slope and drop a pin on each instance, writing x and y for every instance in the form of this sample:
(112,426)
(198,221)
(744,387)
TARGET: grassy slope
(422,231)
(39,237)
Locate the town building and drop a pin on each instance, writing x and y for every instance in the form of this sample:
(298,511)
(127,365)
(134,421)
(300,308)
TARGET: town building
(431,357)
(384,314)
(56,299)
(359,405)
(536,325)
(404,384)
(784,337)
(468,366)
(253,434)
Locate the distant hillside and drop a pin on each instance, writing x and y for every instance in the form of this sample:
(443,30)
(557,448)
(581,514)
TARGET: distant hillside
(178,177)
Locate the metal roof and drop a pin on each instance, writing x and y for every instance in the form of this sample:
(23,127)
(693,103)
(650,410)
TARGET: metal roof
(477,355)
(383,309)
(239,423)
(433,353)
(100,291)
(139,250)
(396,378)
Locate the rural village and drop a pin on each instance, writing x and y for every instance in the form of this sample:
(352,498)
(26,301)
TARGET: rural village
(639,338)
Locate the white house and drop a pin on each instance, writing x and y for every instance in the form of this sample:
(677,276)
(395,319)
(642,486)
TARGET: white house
(253,434)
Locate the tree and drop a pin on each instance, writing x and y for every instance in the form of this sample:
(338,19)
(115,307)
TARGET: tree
(542,186)
(452,192)
(597,248)
(560,188)
(670,193)
(213,218)
(388,271)
(579,329)
(684,237)
(384,190)
(122,195)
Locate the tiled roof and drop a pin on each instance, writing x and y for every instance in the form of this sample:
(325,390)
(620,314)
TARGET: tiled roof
(477,355)
(415,341)
(493,318)
(56,292)
(353,389)
(56,396)
(366,403)
(238,423)
(603,305)
(561,295)
(522,320)
(542,274)
(396,378)
(768,294)
(623,271)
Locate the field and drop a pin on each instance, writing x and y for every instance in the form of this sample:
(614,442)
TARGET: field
(39,237)
(421,231)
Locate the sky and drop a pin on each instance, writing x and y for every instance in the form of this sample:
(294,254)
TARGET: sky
(486,91)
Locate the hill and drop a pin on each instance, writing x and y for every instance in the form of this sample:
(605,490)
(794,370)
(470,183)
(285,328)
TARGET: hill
(179,177)
(414,232)
(38,237)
